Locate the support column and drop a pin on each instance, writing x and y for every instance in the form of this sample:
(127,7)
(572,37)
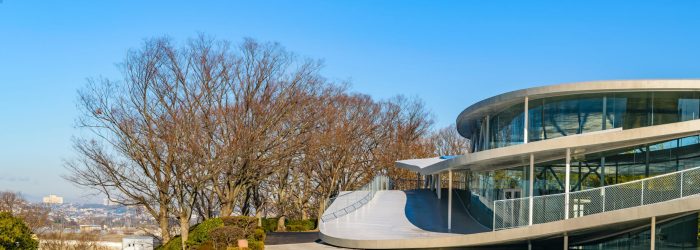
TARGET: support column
(566,241)
(653,233)
(568,184)
(531,188)
(488,136)
(419,181)
(526,121)
(449,200)
(439,184)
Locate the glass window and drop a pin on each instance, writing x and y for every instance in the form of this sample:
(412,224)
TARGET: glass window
(689,108)
(576,114)
(506,128)
(638,110)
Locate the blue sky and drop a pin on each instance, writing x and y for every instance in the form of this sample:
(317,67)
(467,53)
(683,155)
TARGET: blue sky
(449,53)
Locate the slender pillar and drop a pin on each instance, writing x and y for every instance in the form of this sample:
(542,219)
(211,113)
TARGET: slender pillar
(605,113)
(526,121)
(602,171)
(566,241)
(568,184)
(653,233)
(531,188)
(449,200)
(488,136)
(439,186)
(419,181)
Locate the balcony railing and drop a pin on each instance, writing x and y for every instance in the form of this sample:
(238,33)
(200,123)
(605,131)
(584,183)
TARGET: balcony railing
(354,200)
(514,213)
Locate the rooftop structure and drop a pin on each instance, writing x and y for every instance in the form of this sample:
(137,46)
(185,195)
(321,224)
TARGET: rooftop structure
(52,199)
(558,165)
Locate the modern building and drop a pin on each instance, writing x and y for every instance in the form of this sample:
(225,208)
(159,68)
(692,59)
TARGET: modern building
(53,199)
(592,165)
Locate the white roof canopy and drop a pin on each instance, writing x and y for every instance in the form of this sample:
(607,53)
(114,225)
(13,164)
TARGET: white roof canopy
(418,164)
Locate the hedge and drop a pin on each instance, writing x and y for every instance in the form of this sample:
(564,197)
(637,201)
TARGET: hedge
(221,234)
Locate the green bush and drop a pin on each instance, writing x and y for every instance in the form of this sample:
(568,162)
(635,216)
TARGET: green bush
(256,245)
(269,224)
(301,225)
(248,224)
(172,244)
(200,232)
(14,234)
(221,233)
(295,228)
(226,236)
(259,234)
(205,246)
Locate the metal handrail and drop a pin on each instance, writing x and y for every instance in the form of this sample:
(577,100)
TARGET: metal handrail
(513,213)
(380,182)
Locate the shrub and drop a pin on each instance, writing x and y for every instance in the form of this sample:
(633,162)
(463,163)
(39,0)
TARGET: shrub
(309,224)
(256,245)
(172,244)
(226,236)
(200,232)
(14,234)
(295,228)
(259,234)
(248,224)
(269,224)
(206,246)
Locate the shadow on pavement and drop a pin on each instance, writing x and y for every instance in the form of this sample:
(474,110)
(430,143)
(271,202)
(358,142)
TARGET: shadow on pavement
(425,211)
(278,238)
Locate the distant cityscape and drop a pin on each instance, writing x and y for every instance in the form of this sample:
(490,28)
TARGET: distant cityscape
(109,220)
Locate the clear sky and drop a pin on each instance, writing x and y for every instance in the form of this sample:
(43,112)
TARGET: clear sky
(449,53)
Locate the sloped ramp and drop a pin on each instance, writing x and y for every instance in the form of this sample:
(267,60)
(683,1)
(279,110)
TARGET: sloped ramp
(384,224)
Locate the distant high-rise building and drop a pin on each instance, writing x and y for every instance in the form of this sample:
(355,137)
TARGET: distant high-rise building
(53,199)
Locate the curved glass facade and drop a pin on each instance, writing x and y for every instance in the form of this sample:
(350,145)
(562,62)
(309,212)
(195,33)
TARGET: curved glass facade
(576,114)
(587,171)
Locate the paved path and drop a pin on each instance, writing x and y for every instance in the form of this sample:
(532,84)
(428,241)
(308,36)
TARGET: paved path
(402,215)
(274,238)
(301,246)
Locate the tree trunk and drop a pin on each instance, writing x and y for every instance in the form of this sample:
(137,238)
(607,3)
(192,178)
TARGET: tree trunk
(184,229)
(229,203)
(226,209)
(280,224)
(164,227)
(258,214)
(245,210)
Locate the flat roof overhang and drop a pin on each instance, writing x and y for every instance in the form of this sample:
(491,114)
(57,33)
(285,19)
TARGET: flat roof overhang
(553,149)
(500,102)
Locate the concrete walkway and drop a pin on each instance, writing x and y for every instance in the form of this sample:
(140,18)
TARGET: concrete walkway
(424,210)
(381,225)
(402,215)
(302,246)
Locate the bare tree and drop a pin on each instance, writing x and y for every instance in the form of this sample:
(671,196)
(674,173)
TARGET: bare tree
(408,125)
(342,157)
(211,129)
(447,141)
(132,153)
(270,107)
(36,216)
(10,201)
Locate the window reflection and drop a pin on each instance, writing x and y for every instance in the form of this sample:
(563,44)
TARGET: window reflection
(576,114)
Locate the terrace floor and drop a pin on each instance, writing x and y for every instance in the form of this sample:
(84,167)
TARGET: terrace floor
(423,216)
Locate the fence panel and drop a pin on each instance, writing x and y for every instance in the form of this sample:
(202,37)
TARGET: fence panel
(548,208)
